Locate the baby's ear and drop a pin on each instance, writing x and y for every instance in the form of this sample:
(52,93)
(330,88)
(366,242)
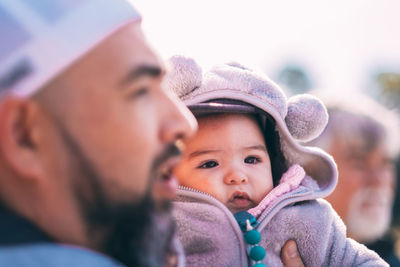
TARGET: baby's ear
(307,117)
(184,75)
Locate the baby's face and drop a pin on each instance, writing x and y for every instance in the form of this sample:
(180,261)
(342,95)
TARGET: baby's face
(228,159)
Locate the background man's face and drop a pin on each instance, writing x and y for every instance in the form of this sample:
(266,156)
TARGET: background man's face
(112,132)
(364,194)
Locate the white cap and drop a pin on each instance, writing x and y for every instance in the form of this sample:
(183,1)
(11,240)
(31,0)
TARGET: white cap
(41,38)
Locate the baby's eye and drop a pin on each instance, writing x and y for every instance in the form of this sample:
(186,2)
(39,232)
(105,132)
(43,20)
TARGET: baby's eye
(208,165)
(252,160)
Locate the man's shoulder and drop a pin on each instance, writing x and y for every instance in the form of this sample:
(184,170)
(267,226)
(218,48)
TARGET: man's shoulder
(48,254)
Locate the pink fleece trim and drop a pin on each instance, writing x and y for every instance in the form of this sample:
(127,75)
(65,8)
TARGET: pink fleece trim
(290,180)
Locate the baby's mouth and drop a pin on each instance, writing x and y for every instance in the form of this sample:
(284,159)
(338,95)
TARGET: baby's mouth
(240,200)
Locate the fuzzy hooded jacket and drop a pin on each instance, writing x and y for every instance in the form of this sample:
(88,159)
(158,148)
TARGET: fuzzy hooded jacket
(293,209)
(211,236)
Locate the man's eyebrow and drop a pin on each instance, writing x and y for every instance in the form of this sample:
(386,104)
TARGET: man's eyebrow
(141,71)
(202,152)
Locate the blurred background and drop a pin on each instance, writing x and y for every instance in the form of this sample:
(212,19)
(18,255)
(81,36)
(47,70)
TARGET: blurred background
(337,45)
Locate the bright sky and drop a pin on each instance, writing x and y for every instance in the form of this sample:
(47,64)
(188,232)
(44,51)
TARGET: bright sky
(340,42)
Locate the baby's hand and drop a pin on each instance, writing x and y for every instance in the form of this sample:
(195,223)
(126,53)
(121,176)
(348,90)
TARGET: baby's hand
(290,255)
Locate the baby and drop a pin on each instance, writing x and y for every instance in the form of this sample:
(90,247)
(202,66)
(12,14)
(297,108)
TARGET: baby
(247,186)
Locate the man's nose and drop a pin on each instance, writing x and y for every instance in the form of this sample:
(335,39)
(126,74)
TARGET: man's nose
(178,122)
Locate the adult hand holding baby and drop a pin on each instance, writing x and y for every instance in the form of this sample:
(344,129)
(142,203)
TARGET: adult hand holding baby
(290,255)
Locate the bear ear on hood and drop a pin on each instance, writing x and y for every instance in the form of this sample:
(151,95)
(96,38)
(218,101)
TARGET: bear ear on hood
(307,117)
(183,76)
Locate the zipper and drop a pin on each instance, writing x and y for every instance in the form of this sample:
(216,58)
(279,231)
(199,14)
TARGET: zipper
(185,188)
(298,195)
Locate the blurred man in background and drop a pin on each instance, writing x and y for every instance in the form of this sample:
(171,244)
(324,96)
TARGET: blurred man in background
(362,137)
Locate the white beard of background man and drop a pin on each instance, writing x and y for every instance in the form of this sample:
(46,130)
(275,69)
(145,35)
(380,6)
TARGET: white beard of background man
(370,213)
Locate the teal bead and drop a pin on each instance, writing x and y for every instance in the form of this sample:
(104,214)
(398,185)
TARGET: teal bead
(252,237)
(259,265)
(242,216)
(257,253)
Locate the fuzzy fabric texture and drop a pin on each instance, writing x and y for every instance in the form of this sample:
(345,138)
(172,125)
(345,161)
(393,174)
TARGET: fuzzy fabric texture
(305,115)
(211,236)
(184,75)
(301,118)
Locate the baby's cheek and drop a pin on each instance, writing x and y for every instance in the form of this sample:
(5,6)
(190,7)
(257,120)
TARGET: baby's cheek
(261,191)
(206,186)
(212,188)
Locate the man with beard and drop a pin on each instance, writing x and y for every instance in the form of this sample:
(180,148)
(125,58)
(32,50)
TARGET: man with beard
(88,138)
(361,136)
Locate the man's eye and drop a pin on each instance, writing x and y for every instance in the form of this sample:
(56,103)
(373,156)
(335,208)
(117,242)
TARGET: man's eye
(252,160)
(140,92)
(208,165)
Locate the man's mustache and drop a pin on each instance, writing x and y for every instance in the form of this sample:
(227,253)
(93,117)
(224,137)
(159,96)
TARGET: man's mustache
(172,150)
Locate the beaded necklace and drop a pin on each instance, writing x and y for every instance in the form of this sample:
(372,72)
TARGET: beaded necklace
(247,222)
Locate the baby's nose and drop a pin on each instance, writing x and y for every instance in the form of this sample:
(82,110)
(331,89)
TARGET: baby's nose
(236,179)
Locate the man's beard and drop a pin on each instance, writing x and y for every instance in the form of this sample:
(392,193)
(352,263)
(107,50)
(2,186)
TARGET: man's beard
(129,231)
(369,214)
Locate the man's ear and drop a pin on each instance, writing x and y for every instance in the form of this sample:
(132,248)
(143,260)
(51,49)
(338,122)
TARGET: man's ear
(19,135)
